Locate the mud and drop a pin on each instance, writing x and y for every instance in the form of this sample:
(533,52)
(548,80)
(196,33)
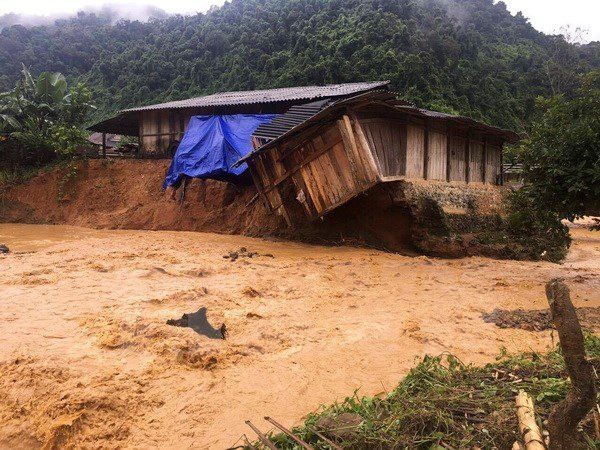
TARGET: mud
(127,194)
(89,361)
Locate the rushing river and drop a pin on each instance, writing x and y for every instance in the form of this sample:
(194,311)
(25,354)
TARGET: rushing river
(28,238)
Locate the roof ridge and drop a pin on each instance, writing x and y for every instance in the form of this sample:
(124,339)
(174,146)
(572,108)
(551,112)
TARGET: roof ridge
(262,95)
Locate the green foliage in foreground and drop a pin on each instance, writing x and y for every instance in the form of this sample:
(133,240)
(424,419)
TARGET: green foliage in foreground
(41,118)
(442,403)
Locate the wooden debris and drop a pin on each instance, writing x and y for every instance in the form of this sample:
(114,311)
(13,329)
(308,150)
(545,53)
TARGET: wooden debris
(326,440)
(261,436)
(528,428)
(581,398)
(290,434)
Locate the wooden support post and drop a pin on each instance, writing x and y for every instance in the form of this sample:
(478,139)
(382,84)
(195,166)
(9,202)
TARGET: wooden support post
(484,162)
(104,145)
(468,159)
(426,152)
(448,154)
(501,167)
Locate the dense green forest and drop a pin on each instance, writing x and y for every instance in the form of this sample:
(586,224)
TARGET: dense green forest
(467,56)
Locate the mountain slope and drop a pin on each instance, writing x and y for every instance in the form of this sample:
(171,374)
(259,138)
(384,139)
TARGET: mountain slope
(468,56)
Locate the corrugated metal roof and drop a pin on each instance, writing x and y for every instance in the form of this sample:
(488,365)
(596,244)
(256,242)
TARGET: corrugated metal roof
(375,97)
(511,136)
(293,117)
(267,96)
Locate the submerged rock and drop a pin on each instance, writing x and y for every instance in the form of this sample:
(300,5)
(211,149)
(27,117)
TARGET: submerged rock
(4,249)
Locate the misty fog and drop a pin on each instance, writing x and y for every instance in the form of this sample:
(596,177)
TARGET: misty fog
(111,11)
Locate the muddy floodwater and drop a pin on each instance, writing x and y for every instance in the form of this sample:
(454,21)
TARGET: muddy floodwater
(27,238)
(88,358)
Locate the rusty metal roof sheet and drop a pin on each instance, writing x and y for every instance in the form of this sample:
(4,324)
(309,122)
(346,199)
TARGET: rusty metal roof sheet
(268,96)
(292,118)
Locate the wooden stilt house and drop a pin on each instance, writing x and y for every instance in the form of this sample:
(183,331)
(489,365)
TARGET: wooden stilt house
(160,127)
(305,167)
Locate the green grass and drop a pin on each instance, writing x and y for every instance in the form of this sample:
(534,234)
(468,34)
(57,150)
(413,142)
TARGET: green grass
(17,175)
(443,403)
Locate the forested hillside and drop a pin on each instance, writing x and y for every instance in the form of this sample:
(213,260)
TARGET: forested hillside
(468,56)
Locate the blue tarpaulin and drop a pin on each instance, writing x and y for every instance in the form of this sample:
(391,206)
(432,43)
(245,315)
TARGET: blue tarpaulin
(212,145)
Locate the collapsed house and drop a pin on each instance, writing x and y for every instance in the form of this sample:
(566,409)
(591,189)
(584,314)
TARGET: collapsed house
(349,146)
(319,155)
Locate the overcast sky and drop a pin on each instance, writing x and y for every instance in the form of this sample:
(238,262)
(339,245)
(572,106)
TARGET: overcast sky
(545,15)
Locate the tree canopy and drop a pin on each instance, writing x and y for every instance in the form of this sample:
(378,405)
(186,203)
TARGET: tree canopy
(467,56)
(561,156)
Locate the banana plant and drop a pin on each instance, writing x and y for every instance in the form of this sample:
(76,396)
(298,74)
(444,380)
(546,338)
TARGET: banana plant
(40,108)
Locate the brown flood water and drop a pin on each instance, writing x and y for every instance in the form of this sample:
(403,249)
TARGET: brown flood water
(88,360)
(29,238)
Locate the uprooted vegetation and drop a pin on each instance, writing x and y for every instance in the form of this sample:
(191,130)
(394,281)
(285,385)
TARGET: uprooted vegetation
(443,403)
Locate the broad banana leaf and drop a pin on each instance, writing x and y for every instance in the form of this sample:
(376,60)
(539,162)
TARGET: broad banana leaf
(51,87)
(5,119)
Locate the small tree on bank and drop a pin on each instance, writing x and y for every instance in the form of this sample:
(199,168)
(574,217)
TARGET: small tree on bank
(561,157)
(561,160)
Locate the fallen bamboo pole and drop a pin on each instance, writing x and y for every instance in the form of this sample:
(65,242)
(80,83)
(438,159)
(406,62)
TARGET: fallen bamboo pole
(528,428)
(262,437)
(290,434)
(326,440)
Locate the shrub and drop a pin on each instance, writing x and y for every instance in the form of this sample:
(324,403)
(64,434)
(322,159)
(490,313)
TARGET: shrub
(538,232)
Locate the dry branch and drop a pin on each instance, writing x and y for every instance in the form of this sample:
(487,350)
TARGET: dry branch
(563,421)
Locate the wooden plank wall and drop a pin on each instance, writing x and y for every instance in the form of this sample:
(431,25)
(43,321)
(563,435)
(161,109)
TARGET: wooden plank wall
(428,149)
(415,151)
(476,162)
(493,163)
(436,156)
(387,137)
(318,174)
(458,164)
(158,128)
(148,131)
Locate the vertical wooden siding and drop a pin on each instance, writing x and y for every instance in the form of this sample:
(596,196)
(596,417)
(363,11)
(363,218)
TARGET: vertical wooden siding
(458,165)
(387,138)
(148,131)
(158,128)
(436,167)
(476,162)
(415,151)
(493,163)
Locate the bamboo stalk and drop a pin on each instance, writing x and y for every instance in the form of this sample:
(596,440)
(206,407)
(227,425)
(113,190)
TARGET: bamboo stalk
(530,432)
